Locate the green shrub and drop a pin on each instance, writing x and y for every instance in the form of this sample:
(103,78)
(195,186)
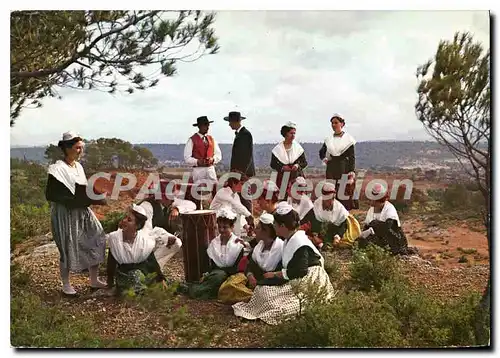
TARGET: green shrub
(371,267)
(35,323)
(111,220)
(28,221)
(352,319)
(395,316)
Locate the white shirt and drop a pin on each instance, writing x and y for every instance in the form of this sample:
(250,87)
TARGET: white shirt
(188,152)
(226,197)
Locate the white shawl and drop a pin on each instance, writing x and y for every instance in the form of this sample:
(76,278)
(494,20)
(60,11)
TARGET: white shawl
(294,243)
(67,175)
(388,212)
(303,207)
(268,260)
(125,253)
(224,255)
(335,146)
(281,154)
(337,215)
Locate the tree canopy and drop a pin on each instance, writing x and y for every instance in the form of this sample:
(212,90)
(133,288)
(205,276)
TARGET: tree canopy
(105,50)
(454,104)
(105,153)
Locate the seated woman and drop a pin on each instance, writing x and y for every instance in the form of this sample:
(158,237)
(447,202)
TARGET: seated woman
(266,256)
(131,260)
(229,197)
(268,200)
(163,218)
(224,251)
(302,270)
(382,225)
(300,201)
(330,212)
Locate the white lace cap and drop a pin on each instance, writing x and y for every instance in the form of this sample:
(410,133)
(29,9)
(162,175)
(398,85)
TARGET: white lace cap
(291,124)
(139,209)
(269,185)
(329,187)
(283,208)
(226,212)
(266,218)
(301,181)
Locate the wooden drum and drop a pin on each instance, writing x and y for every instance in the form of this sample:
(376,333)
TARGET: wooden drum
(199,228)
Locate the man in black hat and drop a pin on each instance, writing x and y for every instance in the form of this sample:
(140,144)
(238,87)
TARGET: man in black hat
(202,152)
(242,153)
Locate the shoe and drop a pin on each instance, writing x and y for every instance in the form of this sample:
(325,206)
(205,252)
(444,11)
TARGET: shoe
(68,290)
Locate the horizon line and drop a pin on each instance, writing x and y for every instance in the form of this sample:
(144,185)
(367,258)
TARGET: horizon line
(263,143)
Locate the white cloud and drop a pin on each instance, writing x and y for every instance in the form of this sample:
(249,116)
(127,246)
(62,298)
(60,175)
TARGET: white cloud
(274,67)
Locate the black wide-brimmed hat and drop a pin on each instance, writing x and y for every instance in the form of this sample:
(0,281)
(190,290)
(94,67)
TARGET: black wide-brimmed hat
(234,116)
(201,120)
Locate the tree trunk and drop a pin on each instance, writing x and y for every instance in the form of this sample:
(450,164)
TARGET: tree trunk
(483,310)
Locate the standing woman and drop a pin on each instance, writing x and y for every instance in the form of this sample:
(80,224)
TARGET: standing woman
(288,156)
(337,153)
(77,232)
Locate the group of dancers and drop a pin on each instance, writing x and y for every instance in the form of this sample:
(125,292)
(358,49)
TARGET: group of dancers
(259,274)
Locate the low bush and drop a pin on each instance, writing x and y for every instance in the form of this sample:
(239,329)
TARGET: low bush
(384,311)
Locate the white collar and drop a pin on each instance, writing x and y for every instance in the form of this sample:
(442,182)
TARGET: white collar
(295,242)
(337,215)
(303,207)
(224,255)
(125,253)
(64,174)
(338,145)
(281,153)
(268,260)
(239,129)
(387,212)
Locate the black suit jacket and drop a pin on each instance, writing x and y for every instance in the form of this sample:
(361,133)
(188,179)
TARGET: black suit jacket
(242,154)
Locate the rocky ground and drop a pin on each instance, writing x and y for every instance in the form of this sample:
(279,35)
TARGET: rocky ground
(117,319)
(453,260)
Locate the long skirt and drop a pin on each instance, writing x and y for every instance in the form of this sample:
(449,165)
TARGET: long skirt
(209,286)
(79,237)
(273,304)
(137,277)
(235,289)
(352,233)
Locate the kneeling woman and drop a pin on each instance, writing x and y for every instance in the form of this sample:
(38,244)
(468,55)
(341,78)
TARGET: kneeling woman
(225,251)
(131,260)
(382,225)
(302,270)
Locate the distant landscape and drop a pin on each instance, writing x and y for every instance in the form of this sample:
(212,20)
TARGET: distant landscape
(369,155)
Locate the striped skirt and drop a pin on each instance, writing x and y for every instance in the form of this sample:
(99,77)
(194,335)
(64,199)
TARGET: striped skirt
(79,237)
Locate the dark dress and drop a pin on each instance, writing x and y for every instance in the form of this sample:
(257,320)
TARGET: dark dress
(136,276)
(387,233)
(338,166)
(277,165)
(208,288)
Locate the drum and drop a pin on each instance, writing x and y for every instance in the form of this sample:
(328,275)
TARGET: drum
(199,228)
(203,193)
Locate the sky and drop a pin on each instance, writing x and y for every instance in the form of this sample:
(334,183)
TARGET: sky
(274,67)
